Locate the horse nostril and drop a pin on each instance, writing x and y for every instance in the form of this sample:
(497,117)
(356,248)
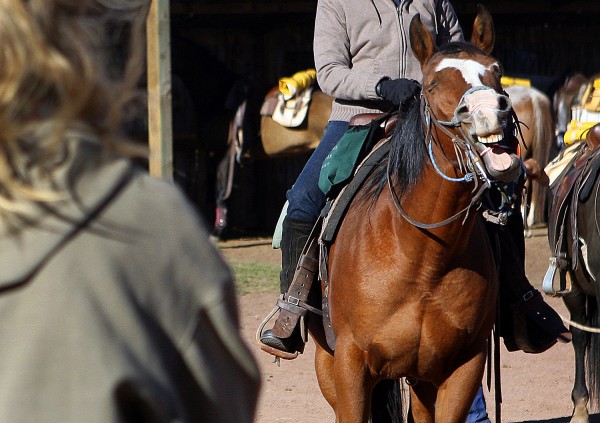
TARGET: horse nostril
(504,103)
(462,113)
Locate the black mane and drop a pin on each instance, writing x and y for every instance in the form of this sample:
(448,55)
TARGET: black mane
(406,158)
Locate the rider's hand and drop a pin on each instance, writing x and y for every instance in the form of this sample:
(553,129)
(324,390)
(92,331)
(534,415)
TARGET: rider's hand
(397,91)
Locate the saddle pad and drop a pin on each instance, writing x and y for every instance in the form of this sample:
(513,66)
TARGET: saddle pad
(558,166)
(339,207)
(580,114)
(291,113)
(340,162)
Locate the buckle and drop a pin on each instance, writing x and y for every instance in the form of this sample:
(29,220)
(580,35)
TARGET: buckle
(293,300)
(528,295)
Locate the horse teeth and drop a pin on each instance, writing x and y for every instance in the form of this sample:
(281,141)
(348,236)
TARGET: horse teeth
(490,139)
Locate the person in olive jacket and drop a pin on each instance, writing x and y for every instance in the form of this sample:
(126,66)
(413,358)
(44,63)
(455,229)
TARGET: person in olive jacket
(114,307)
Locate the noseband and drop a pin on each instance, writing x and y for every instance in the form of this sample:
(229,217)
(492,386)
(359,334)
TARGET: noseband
(469,161)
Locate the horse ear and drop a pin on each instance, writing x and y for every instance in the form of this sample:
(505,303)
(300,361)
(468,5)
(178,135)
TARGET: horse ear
(483,30)
(421,40)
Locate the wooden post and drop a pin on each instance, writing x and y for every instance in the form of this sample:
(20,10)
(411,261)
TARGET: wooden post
(160,118)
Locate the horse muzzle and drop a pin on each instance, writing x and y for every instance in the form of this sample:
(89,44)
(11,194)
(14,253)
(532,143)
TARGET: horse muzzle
(484,112)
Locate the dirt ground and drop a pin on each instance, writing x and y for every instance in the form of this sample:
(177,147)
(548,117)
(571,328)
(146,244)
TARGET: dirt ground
(535,388)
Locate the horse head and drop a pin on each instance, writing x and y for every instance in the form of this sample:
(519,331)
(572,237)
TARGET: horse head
(462,94)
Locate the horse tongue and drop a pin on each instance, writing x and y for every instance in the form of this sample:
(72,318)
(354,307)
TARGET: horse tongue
(500,164)
(497,158)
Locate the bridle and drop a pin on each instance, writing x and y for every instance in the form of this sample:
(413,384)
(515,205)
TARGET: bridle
(469,161)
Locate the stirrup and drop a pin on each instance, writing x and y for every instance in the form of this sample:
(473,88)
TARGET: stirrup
(267,348)
(550,285)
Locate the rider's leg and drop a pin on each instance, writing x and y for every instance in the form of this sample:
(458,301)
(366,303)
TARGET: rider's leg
(305,204)
(294,236)
(478,412)
(542,326)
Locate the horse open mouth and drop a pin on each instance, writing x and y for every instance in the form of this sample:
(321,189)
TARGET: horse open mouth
(501,163)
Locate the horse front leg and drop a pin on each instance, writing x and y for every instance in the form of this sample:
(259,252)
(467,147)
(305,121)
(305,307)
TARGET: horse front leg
(324,366)
(352,390)
(576,304)
(457,392)
(422,402)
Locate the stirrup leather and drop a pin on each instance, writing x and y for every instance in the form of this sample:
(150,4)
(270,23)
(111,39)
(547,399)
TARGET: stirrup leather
(293,306)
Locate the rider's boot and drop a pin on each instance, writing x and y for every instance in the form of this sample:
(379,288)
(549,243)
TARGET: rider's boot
(283,337)
(526,321)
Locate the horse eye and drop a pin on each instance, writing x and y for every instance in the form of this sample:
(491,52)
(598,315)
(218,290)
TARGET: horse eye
(429,87)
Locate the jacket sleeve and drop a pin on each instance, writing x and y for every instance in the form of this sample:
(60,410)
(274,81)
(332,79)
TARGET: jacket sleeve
(196,305)
(333,59)
(213,347)
(230,377)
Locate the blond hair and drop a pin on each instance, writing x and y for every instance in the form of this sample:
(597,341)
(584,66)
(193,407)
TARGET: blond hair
(63,64)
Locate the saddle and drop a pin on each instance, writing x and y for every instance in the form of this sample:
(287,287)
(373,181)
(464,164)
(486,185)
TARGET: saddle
(571,189)
(287,104)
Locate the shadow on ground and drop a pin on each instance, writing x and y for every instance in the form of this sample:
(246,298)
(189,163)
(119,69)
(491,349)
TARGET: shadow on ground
(594,418)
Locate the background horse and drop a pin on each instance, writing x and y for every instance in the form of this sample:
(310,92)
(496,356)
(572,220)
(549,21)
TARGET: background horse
(419,302)
(582,299)
(254,138)
(534,110)
(563,100)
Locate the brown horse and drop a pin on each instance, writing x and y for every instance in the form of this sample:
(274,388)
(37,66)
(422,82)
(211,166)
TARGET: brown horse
(534,110)
(414,300)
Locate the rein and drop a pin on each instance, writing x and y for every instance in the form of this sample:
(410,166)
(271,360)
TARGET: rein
(467,159)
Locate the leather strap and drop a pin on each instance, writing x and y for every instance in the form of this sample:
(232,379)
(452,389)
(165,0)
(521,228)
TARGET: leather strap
(293,304)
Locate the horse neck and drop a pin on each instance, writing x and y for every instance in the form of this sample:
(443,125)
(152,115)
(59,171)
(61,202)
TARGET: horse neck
(432,200)
(435,197)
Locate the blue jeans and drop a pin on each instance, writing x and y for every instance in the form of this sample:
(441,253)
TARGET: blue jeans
(478,413)
(305,198)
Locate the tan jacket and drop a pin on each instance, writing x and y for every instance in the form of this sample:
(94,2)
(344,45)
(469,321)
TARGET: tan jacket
(131,319)
(358,42)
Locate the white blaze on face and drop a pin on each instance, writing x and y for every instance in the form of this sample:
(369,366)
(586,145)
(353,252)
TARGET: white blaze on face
(482,105)
(470,70)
